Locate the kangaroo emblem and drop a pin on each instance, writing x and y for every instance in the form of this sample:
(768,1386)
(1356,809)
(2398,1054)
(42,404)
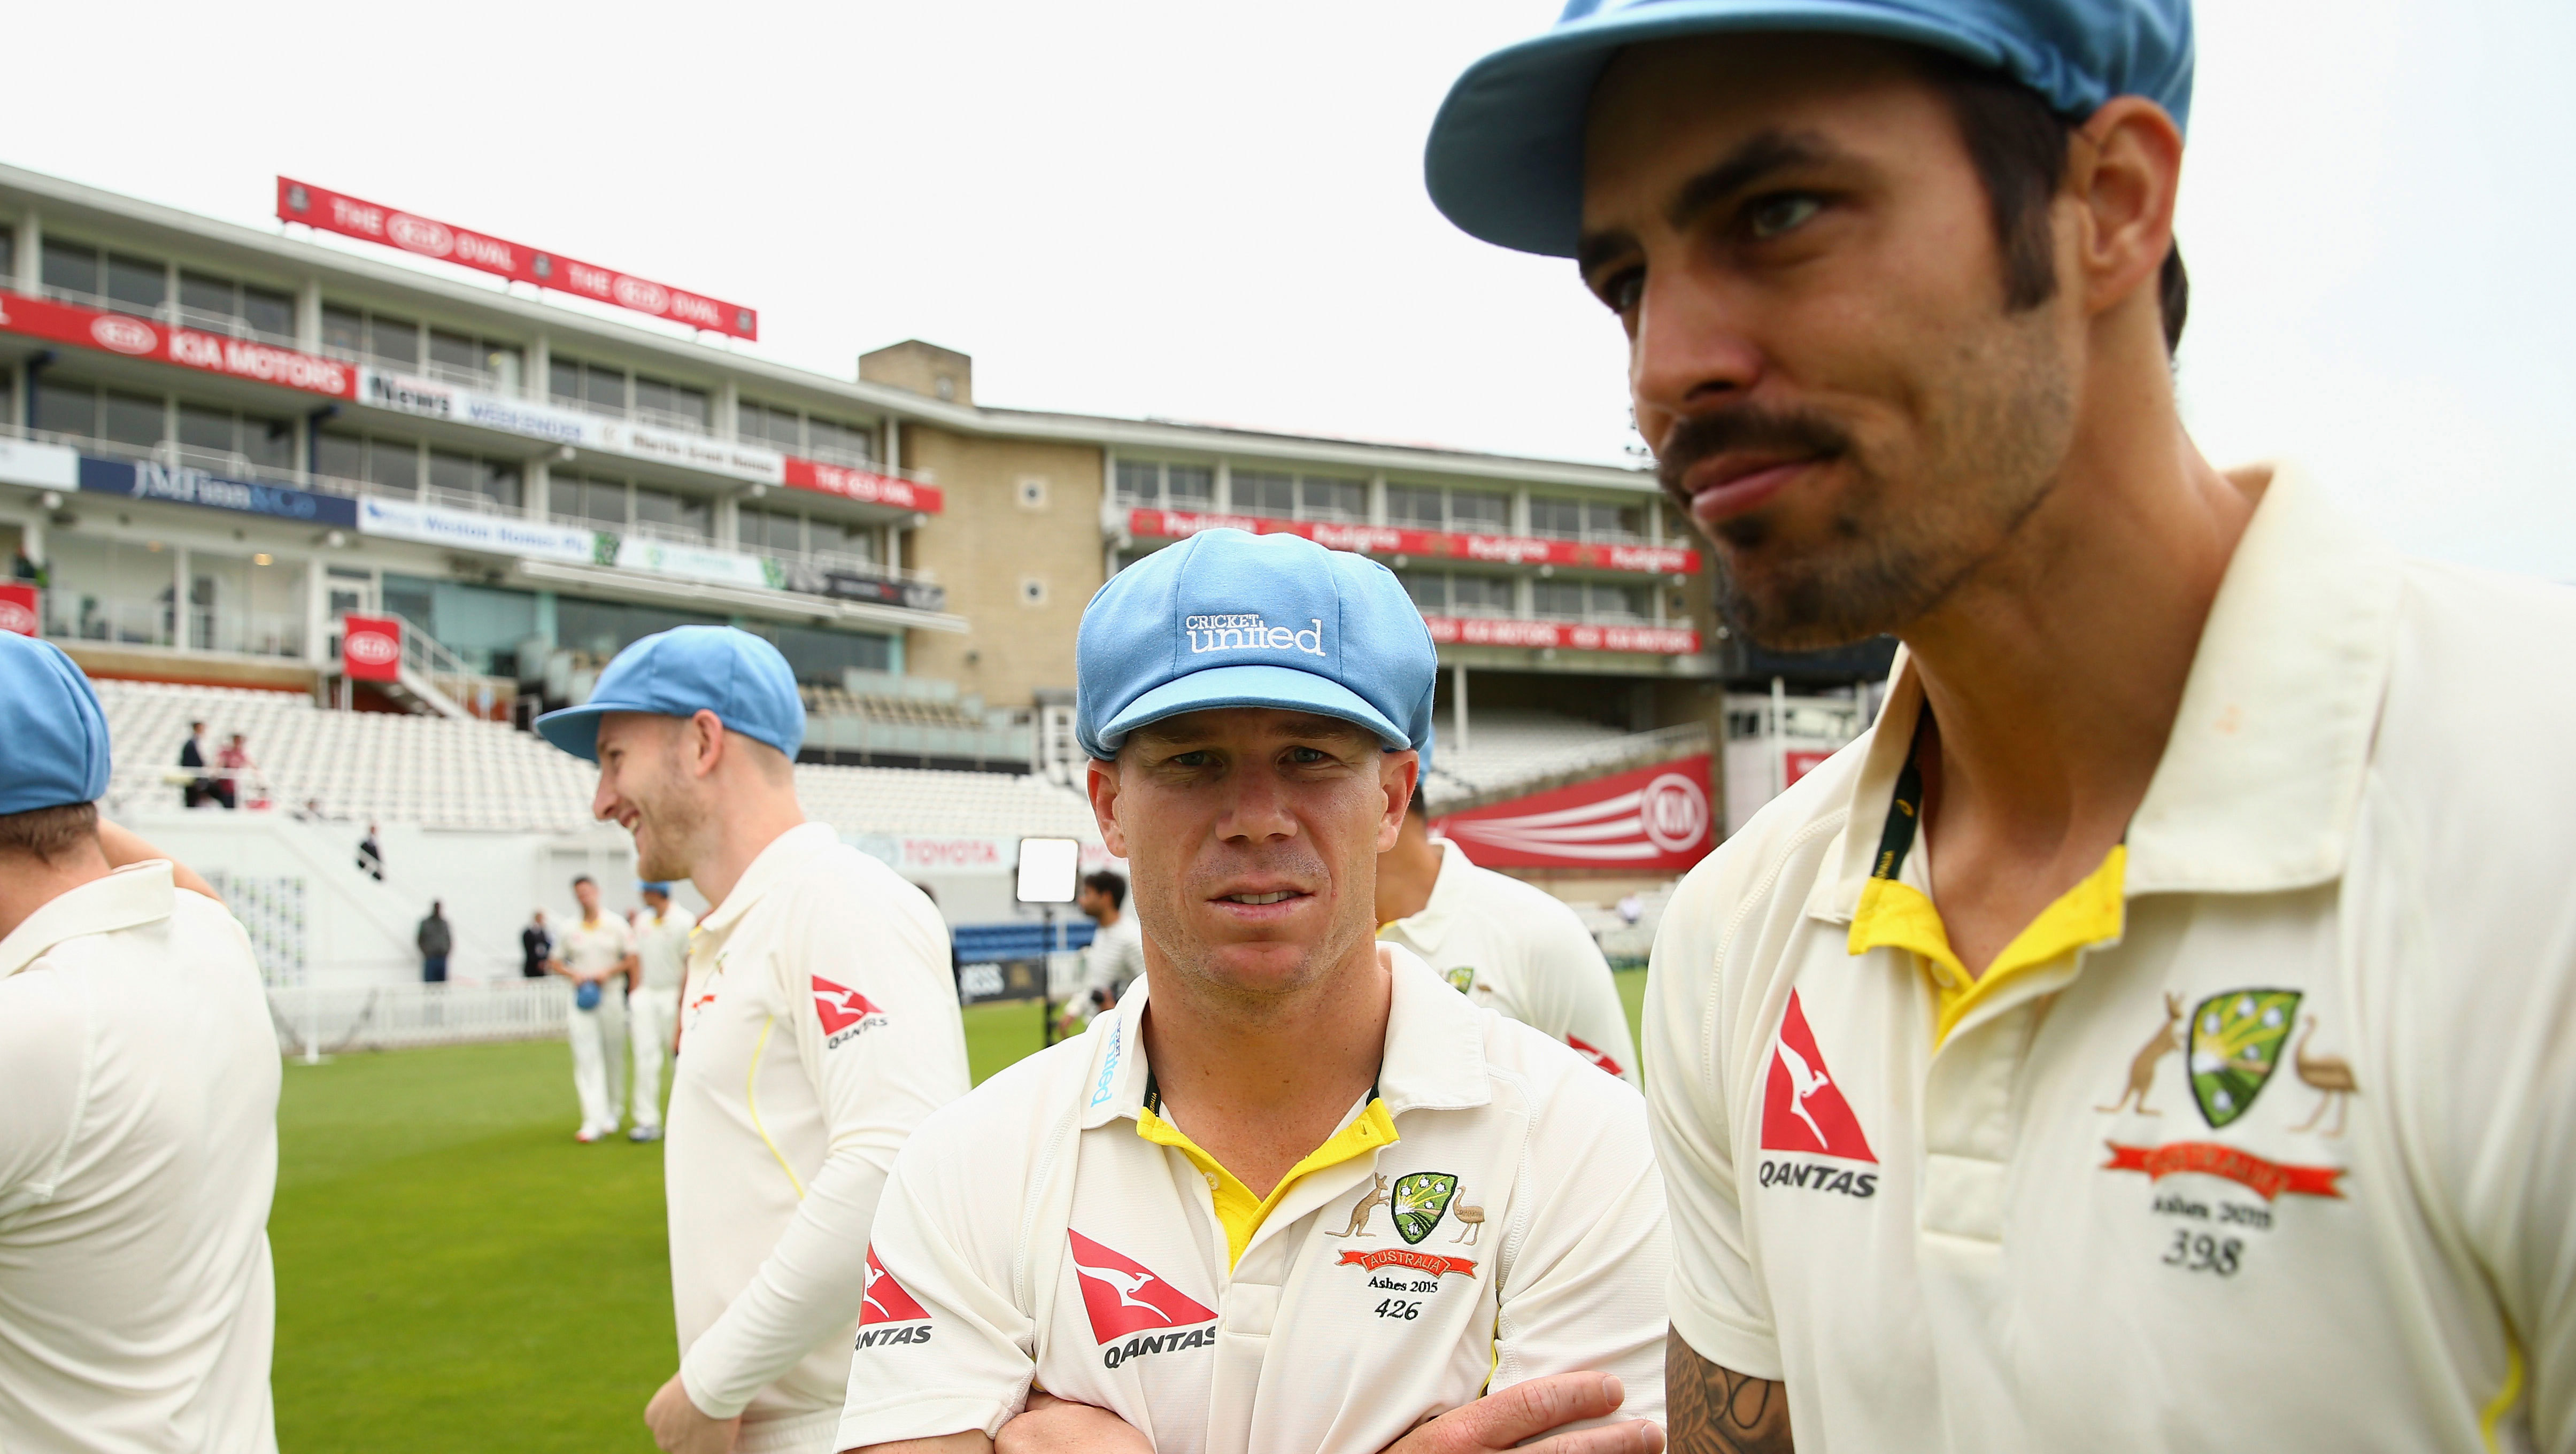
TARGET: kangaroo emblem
(1360,1214)
(2142,1066)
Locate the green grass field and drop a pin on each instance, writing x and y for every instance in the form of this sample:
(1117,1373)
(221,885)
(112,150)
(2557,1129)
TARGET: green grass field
(454,1272)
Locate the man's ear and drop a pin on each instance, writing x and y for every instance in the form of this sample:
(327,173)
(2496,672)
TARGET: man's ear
(2124,169)
(1396,772)
(1101,783)
(702,737)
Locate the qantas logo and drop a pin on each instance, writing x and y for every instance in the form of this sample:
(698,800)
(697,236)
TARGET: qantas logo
(1802,1109)
(845,1013)
(889,1305)
(1595,1056)
(1128,1301)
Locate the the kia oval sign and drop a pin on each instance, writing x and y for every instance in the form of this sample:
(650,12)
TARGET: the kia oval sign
(18,608)
(371,648)
(122,334)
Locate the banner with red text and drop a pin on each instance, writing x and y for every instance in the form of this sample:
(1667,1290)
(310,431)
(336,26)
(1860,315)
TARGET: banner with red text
(1560,635)
(215,353)
(866,486)
(1649,818)
(1429,545)
(330,211)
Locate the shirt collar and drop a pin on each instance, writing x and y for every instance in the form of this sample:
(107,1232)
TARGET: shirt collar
(1448,894)
(137,894)
(1434,1057)
(774,862)
(2261,780)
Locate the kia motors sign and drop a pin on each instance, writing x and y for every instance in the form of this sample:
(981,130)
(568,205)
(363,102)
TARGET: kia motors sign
(1649,818)
(329,211)
(18,608)
(215,353)
(1560,635)
(1427,545)
(371,648)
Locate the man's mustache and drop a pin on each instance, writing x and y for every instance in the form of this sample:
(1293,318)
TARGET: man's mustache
(1800,432)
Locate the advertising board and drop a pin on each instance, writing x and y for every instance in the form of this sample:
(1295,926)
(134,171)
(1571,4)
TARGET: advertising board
(1647,819)
(187,485)
(214,353)
(1425,545)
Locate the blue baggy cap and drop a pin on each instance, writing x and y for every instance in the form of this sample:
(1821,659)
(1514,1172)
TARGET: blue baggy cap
(1505,159)
(53,737)
(682,671)
(1229,619)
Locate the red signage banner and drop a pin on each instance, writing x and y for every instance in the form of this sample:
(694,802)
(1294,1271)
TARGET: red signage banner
(865,486)
(215,353)
(18,608)
(1562,635)
(371,648)
(1439,545)
(1649,818)
(329,211)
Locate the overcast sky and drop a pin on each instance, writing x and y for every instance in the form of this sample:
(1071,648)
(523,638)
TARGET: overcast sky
(1215,212)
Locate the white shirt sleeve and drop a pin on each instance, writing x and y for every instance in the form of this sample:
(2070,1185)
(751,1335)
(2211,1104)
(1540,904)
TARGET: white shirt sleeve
(1716,1301)
(1585,1291)
(1586,994)
(968,1364)
(44,1040)
(875,1087)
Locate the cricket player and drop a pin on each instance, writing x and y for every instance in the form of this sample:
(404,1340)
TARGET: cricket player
(1116,954)
(2154,1032)
(819,1026)
(1293,1194)
(653,1008)
(1504,944)
(597,953)
(138,1113)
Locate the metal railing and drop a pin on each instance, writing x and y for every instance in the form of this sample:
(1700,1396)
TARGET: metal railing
(71,616)
(230,325)
(474,501)
(247,633)
(317,1020)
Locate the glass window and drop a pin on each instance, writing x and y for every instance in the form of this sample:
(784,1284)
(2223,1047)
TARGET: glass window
(768,530)
(1613,521)
(451,471)
(394,464)
(503,362)
(1430,593)
(849,443)
(1480,512)
(500,480)
(66,408)
(137,282)
(1481,595)
(1557,598)
(204,428)
(9,251)
(71,267)
(604,388)
(268,311)
(135,419)
(1562,519)
(1334,499)
(1189,486)
(820,657)
(1140,484)
(691,404)
(344,330)
(563,379)
(654,394)
(269,443)
(455,351)
(1262,492)
(203,293)
(1415,506)
(1616,600)
(341,456)
(395,340)
(657,507)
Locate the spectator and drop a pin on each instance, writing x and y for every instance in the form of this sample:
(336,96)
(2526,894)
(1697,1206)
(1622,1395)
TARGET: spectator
(311,812)
(435,938)
(371,859)
(231,762)
(192,753)
(1631,909)
(536,946)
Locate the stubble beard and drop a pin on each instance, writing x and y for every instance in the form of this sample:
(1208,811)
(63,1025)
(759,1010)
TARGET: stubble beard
(677,821)
(1892,555)
(1197,961)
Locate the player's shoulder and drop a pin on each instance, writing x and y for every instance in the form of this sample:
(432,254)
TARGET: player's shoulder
(1774,859)
(984,1146)
(837,879)
(1500,896)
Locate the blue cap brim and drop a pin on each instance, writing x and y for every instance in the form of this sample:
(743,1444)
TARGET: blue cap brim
(576,729)
(1282,687)
(1505,157)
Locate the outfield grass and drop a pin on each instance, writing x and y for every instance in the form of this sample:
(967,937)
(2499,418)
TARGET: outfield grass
(454,1272)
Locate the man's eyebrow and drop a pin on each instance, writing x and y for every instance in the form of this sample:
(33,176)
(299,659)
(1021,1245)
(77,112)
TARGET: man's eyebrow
(1756,157)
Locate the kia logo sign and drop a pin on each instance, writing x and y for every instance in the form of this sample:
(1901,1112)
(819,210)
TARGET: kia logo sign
(122,334)
(14,616)
(640,295)
(419,234)
(372,649)
(1674,813)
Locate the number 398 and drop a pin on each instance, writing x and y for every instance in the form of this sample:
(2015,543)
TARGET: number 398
(2201,1252)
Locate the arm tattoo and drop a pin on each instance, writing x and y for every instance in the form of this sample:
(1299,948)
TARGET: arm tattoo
(1713,1410)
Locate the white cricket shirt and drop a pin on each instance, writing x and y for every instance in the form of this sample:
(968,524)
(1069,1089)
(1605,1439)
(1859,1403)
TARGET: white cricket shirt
(138,1155)
(2259,1139)
(1517,949)
(1496,1217)
(1116,956)
(590,947)
(663,946)
(818,1028)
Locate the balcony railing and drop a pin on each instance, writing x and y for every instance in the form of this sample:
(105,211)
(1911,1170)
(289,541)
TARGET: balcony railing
(247,633)
(227,324)
(658,418)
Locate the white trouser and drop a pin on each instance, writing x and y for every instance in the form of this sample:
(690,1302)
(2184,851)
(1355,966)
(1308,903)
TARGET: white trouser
(597,1075)
(650,1014)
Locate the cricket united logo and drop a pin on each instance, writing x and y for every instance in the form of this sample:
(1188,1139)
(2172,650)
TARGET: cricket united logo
(2235,1046)
(1421,1199)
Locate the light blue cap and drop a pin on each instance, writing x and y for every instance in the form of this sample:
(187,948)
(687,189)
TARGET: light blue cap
(1229,619)
(685,670)
(53,737)
(654,888)
(1505,159)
